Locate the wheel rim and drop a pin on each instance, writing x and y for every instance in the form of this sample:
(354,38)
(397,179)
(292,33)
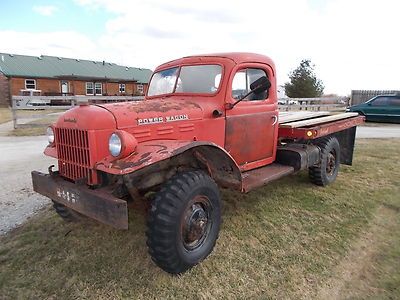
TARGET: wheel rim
(196,223)
(331,163)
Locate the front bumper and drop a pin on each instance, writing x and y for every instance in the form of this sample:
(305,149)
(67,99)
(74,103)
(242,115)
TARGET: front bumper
(97,204)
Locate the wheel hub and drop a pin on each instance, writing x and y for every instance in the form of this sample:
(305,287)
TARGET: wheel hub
(195,226)
(331,163)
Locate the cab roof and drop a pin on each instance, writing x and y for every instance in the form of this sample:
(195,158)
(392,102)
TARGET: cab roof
(236,57)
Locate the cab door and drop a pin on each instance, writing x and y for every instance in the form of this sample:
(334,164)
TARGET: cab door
(377,109)
(252,125)
(394,109)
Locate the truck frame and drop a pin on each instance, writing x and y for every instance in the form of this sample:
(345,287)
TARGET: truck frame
(207,121)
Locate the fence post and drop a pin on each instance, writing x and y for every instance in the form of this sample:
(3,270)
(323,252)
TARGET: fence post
(14,113)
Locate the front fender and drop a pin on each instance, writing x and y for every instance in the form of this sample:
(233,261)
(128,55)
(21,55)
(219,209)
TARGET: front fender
(216,158)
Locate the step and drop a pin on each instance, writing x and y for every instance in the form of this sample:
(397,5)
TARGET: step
(258,177)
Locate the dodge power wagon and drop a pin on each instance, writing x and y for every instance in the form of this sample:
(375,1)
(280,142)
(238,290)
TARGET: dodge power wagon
(206,122)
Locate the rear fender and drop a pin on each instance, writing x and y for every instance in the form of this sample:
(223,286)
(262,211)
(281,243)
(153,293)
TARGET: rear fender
(152,156)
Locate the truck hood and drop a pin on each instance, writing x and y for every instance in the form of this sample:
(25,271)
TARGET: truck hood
(154,111)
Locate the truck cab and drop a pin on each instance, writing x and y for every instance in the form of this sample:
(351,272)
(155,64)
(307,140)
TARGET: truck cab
(207,122)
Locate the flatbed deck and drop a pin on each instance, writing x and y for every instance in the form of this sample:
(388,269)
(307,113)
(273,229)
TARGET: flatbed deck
(312,125)
(291,116)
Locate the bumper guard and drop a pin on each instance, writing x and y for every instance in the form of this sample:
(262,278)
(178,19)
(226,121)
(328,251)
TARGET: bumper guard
(97,204)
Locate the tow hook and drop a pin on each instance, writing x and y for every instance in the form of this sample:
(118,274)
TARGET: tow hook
(50,169)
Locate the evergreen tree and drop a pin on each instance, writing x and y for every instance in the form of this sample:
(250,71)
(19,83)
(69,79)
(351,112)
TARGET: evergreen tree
(303,82)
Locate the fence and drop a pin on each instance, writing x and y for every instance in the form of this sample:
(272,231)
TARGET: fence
(328,103)
(360,96)
(39,111)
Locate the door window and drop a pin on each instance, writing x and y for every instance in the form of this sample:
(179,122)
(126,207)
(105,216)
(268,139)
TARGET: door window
(380,101)
(242,81)
(121,87)
(64,87)
(395,101)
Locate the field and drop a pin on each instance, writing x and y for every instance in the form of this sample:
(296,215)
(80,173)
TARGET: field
(34,127)
(35,121)
(287,240)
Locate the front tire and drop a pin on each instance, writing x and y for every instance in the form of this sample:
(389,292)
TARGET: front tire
(184,221)
(327,170)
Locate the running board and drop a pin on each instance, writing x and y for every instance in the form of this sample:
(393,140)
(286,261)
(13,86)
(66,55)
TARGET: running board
(261,176)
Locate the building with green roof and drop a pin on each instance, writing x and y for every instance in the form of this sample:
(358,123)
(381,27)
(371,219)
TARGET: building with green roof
(53,76)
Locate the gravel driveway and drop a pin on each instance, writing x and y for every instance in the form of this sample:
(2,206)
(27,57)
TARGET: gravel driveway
(378,131)
(18,157)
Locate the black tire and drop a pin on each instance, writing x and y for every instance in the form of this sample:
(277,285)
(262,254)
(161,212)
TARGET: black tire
(184,221)
(67,214)
(327,170)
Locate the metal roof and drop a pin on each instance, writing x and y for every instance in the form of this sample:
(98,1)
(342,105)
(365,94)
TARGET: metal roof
(12,65)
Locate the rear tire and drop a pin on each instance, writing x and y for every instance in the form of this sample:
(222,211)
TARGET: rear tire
(67,214)
(327,170)
(184,221)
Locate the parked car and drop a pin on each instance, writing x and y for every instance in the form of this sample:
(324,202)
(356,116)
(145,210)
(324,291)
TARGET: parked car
(382,108)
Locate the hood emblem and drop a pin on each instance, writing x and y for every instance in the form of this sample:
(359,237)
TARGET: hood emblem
(156,120)
(73,120)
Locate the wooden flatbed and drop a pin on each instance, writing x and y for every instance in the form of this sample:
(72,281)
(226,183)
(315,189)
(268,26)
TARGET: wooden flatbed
(312,125)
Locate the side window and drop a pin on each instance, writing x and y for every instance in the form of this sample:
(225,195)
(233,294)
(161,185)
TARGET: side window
(395,101)
(380,101)
(242,81)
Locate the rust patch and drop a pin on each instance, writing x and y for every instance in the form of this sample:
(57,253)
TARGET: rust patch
(162,106)
(163,148)
(121,164)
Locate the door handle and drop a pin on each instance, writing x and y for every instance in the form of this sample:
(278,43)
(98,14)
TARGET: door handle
(275,120)
(217,113)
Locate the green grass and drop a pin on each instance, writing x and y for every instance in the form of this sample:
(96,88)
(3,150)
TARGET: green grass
(33,128)
(286,240)
(41,120)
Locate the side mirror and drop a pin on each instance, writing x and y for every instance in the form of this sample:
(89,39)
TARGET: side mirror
(260,85)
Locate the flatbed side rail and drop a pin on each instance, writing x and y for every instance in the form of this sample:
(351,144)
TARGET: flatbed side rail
(321,130)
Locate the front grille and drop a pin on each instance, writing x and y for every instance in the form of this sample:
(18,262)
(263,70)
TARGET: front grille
(74,154)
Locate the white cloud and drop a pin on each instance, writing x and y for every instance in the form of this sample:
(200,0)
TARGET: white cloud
(353,43)
(45,10)
(52,43)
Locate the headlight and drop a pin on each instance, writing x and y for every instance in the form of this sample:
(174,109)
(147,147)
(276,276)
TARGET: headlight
(50,135)
(122,144)
(115,145)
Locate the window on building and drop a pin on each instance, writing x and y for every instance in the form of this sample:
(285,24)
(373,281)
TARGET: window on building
(98,88)
(89,88)
(122,88)
(242,81)
(30,84)
(140,88)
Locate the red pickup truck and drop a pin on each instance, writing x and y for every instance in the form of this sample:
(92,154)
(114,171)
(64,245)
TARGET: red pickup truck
(207,122)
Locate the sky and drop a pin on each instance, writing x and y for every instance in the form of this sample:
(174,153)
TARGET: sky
(353,44)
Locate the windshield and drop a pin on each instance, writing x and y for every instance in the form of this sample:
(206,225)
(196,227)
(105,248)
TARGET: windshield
(199,79)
